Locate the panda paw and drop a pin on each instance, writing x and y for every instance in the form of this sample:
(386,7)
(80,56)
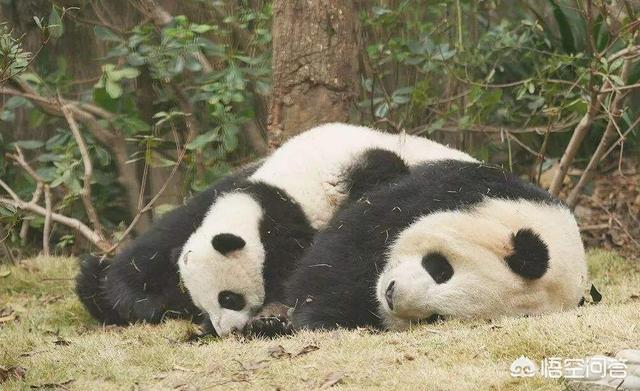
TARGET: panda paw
(271,321)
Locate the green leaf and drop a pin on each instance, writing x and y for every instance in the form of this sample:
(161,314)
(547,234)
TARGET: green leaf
(49,157)
(617,80)
(29,144)
(200,28)
(55,27)
(382,110)
(124,73)
(135,59)
(113,89)
(38,22)
(159,161)
(566,35)
(31,77)
(230,141)
(203,140)
(104,34)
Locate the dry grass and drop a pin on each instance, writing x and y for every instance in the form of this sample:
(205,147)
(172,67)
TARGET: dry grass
(56,343)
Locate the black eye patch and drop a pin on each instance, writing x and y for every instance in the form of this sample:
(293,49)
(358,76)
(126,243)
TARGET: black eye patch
(225,243)
(231,300)
(530,257)
(438,267)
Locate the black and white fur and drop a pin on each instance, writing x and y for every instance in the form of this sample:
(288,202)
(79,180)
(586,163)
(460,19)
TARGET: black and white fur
(452,238)
(238,259)
(141,283)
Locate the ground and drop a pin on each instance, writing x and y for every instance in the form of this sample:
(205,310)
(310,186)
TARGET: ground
(47,340)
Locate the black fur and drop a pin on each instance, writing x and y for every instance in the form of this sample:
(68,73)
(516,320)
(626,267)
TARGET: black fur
(530,258)
(334,284)
(375,167)
(286,233)
(438,267)
(226,243)
(141,283)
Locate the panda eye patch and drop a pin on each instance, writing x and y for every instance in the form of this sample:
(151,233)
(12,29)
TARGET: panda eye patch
(231,300)
(438,267)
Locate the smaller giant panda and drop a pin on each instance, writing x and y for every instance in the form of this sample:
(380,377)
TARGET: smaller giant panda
(452,239)
(141,284)
(234,265)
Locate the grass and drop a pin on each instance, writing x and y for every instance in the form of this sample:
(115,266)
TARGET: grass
(58,345)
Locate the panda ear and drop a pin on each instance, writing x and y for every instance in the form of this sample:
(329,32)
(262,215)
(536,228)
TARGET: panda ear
(530,257)
(225,243)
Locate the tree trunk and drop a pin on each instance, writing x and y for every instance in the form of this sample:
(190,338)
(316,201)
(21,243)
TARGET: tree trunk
(315,65)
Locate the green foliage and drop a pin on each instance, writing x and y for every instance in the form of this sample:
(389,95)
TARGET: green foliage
(13,60)
(515,68)
(445,69)
(204,83)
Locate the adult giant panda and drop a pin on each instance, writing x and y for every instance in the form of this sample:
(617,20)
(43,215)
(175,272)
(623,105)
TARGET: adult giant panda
(235,263)
(141,283)
(452,238)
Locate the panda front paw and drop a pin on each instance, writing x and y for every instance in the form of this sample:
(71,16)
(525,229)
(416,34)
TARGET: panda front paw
(271,321)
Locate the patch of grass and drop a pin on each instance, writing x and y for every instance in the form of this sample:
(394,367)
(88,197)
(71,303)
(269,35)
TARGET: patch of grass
(57,343)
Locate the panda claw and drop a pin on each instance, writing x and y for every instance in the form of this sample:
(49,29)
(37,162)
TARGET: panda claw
(269,324)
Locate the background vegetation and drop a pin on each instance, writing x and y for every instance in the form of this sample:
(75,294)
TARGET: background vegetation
(113,111)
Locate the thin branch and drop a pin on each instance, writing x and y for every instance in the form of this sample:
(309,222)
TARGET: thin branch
(151,8)
(495,129)
(622,88)
(46,231)
(22,162)
(89,115)
(85,194)
(24,229)
(161,18)
(621,139)
(578,135)
(523,145)
(149,204)
(76,224)
(615,111)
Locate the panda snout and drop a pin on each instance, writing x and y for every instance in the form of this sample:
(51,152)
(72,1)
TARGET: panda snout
(388,294)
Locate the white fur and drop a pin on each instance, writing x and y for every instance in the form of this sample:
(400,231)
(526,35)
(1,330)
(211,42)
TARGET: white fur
(309,168)
(475,243)
(206,272)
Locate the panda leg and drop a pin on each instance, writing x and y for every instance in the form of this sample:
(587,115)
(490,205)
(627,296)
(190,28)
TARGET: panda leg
(271,321)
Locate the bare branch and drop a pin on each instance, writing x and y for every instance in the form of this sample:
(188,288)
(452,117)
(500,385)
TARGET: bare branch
(76,224)
(46,231)
(151,8)
(85,195)
(615,111)
(24,229)
(88,115)
(578,135)
(495,129)
(22,162)
(149,204)
(621,139)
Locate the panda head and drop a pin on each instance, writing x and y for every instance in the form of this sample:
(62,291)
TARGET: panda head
(221,263)
(499,258)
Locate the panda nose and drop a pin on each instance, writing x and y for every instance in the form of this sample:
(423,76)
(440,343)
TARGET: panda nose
(388,295)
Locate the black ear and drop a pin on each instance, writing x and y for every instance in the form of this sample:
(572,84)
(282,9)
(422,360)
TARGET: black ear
(225,243)
(374,168)
(530,257)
